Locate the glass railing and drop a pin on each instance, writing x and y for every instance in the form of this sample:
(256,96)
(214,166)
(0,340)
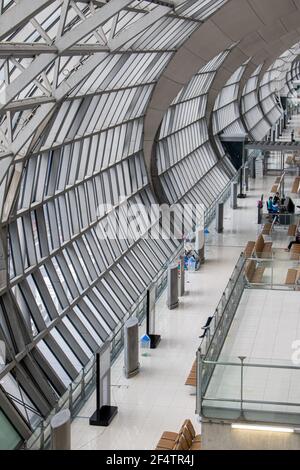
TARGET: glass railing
(218,329)
(259,391)
(210,213)
(276,270)
(241,388)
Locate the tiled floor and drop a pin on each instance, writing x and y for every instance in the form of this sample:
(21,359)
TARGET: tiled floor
(157,399)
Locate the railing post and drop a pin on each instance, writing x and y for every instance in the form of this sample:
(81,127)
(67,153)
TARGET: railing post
(70,398)
(272,272)
(242,359)
(199,382)
(42,437)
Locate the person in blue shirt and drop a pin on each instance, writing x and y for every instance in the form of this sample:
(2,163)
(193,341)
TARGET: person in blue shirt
(273,208)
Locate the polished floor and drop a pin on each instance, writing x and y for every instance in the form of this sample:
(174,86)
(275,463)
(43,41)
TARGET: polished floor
(157,399)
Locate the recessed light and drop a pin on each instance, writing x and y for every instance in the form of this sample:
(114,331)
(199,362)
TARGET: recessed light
(258,427)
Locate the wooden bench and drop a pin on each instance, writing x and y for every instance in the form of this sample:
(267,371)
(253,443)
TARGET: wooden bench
(292,230)
(290,160)
(248,251)
(253,273)
(295,187)
(291,277)
(267,228)
(192,377)
(295,252)
(274,188)
(186,439)
(262,248)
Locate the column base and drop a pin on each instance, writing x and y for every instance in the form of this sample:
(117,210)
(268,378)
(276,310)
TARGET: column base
(104,416)
(154,341)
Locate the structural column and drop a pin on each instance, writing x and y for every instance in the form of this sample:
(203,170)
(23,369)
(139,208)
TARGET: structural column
(131,347)
(172,301)
(181,274)
(247,172)
(234,193)
(61,430)
(252,168)
(220,217)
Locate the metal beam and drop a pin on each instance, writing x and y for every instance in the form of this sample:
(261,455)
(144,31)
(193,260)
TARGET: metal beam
(37,66)
(15,49)
(20,14)
(62,44)
(278,146)
(129,33)
(91,24)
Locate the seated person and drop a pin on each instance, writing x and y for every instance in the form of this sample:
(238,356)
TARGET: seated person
(276,199)
(296,242)
(272,206)
(273,209)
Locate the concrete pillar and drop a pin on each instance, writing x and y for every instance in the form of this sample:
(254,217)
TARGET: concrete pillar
(131,347)
(61,430)
(200,244)
(259,215)
(252,168)
(234,193)
(247,173)
(277,130)
(172,300)
(265,162)
(181,274)
(220,217)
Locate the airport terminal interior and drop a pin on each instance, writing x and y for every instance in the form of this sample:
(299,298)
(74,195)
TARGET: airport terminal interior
(150,225)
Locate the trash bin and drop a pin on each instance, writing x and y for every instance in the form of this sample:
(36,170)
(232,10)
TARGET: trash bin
(145,345)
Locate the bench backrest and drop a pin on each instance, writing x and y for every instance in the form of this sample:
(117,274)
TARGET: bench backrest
(259,245)
(182,443)
(250,270)
(296,185)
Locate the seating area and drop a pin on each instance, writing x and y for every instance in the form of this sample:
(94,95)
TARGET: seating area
(260,248)
(192,377)
(249,250)
(263,249)
(296,185)
(254,272)
(267,229)
(295,252)
(292,277)
(185,439)
(277,184)
(292,230)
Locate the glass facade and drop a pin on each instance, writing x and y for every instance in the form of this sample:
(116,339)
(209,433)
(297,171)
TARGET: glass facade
(76,80)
